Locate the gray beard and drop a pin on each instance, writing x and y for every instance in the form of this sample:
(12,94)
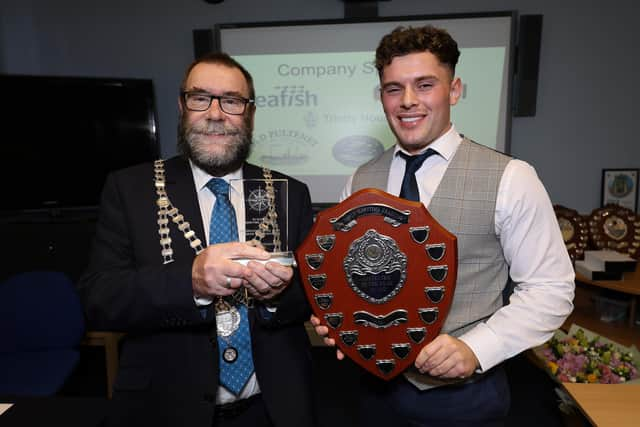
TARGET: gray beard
(192,146)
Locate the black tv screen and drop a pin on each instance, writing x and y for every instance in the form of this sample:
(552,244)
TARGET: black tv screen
(63,135)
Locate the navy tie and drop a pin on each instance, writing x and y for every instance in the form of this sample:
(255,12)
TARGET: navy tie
(409,189)
(234,371)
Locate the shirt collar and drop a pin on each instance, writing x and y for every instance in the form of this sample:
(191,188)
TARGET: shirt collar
(201,178)
(446,145)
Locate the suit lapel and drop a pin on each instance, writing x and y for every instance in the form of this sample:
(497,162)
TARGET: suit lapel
(250,171)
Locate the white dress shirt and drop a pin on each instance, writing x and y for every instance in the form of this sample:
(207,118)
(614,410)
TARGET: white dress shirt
(533,248)
(206,199)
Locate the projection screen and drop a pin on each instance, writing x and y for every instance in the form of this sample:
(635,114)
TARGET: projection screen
(318,110)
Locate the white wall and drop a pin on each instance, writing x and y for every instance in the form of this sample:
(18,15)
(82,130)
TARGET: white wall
(586,91)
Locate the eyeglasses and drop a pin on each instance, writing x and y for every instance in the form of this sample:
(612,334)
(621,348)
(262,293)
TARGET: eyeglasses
(200,101)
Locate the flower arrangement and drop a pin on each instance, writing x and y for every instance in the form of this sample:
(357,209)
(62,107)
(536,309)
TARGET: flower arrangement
(583,357)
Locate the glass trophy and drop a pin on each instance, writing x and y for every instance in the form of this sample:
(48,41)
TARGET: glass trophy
(266,203)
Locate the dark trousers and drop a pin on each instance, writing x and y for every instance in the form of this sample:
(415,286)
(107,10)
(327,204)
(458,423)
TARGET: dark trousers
(251,412)
(482,403)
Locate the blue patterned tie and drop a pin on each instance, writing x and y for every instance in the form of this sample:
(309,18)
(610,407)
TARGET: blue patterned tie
(224,228)
(409,189)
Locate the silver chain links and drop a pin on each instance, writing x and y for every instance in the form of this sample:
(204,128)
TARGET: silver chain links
(165,210)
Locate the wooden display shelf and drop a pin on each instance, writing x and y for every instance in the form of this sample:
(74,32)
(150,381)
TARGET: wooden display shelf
(625,332)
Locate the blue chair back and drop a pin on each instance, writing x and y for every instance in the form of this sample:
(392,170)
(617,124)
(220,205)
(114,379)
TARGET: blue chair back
(41,325)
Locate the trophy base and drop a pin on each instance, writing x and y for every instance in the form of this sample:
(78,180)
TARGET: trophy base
(284,258)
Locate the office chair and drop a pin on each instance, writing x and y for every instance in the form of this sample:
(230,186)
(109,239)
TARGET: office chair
(41,325)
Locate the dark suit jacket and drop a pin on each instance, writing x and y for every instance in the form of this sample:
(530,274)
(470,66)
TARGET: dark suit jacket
(168,371)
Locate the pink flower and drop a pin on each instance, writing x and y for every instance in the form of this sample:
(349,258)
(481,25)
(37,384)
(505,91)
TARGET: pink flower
(578,359)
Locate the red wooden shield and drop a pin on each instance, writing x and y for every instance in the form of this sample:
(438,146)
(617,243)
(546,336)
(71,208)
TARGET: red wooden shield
(380,272)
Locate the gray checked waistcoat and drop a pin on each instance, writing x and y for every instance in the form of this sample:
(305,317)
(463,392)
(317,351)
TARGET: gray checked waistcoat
(464,203)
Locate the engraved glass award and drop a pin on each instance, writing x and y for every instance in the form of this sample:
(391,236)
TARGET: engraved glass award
(266,203)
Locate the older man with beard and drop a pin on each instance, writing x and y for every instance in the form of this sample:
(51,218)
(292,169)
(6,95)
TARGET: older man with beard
(180,301)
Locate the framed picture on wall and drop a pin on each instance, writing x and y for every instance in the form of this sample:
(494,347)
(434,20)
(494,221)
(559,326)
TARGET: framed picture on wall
(620,187)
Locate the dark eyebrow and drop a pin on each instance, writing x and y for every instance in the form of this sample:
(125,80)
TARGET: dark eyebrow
(228,93)
(429,78)
(416,80)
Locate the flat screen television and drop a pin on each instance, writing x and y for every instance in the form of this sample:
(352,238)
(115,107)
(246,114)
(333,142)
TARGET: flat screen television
(61,136)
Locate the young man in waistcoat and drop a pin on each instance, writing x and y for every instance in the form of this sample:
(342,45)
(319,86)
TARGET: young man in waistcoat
(506,230)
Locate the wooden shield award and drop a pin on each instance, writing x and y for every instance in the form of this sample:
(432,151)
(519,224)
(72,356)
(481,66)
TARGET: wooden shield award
(380,272)
(616,228)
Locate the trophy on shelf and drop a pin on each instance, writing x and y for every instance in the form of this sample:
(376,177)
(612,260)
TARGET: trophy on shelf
(265,211)
(617,228)
(380,273)
(575,232)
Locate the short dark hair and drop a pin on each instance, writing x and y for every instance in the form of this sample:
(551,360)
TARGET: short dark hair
(220,58)
(405,40)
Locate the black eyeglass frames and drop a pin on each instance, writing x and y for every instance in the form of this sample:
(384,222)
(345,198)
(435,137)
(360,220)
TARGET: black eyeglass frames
(201,101)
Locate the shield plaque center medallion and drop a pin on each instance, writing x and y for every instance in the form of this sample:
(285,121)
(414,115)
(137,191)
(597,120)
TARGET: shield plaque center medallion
(374,267)
(380,272)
